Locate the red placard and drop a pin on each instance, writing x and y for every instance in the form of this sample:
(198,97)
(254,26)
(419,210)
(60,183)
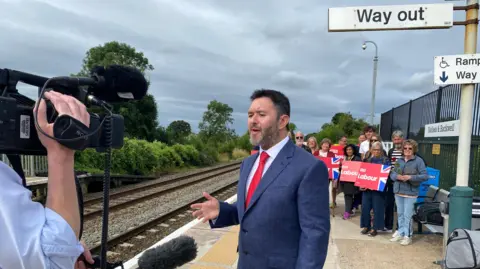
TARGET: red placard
(350,171)
(373,176)
(333,165)
(338,151)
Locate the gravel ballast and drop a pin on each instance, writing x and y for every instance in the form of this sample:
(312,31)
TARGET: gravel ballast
(121,220)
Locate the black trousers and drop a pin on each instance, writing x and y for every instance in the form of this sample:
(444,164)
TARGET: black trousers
(373,200)
(357,199)
(389,205)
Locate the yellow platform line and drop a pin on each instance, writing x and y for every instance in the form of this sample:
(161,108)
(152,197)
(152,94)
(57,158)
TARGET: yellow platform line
(224,251)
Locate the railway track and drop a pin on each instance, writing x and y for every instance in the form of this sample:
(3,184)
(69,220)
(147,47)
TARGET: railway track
(126,198)
(132,232)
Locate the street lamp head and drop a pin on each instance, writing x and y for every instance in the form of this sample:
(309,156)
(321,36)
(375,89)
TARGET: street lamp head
(364,46)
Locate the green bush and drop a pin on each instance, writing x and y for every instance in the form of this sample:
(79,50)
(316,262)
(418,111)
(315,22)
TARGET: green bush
(139,157)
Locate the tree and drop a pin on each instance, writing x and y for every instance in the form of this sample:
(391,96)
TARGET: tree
(215,122)
(292,127)
(140,116)
(114,53)
(179,130)
(342,123)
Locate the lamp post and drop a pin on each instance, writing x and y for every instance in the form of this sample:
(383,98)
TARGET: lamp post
(375,61)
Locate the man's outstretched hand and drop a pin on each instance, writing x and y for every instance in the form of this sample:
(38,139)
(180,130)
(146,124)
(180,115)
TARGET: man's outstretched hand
(207,210)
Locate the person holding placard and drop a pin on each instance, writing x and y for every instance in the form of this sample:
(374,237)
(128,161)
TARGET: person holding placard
(349,189)
(408,174)
(325,152)
(374,199)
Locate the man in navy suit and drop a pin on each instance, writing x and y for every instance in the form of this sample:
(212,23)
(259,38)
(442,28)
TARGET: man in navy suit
(282,199)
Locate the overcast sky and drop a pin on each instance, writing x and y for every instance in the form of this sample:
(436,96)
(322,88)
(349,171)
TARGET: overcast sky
(224,49)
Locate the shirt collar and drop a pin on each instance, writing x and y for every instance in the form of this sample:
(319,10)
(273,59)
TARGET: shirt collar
(273,151)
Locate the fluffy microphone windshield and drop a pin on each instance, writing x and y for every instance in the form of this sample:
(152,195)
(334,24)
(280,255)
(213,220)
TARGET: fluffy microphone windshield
(170,255)
(121,83)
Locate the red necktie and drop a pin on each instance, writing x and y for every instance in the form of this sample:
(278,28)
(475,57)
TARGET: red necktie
(256,177)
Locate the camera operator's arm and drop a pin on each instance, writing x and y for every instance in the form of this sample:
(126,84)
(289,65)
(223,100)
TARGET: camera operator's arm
(62,193)
(33,236)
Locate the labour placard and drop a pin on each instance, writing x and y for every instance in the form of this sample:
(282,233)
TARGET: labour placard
(338,151)
(333,165)
(350,171)
(395,17)
(373,176)
(456,69)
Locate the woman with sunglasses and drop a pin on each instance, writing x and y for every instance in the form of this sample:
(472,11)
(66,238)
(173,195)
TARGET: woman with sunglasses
(373,199)
(374,138)
(408,173)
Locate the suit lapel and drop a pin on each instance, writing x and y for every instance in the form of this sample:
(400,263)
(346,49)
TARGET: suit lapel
(242,184)
(280,162)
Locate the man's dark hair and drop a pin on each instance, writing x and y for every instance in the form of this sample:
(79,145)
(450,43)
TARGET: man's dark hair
(368,128)
(280,101)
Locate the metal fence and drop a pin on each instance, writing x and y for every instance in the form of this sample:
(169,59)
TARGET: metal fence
(438,106)
(32,165)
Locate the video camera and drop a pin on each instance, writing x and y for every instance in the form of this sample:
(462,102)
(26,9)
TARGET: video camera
(111,84)
(18,133)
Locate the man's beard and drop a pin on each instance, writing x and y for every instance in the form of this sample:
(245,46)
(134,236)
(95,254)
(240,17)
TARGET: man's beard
(267,137)
(398,146)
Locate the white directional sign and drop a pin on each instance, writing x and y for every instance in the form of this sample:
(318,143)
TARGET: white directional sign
(443,129)
(398,17)
(457,69)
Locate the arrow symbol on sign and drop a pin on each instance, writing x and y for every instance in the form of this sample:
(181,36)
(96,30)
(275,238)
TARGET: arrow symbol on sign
(443,78)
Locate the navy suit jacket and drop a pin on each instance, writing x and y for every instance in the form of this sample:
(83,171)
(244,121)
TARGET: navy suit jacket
(287,223)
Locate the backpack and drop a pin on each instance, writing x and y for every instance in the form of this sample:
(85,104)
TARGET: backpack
(463,249)
(429,213)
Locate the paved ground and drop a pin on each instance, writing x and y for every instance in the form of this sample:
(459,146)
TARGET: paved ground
(350,249)
(347,249)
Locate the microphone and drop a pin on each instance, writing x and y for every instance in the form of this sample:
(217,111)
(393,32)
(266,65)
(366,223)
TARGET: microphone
(119,83)
(170,255)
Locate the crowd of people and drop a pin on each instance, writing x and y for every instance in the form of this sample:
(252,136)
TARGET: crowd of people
(408,171)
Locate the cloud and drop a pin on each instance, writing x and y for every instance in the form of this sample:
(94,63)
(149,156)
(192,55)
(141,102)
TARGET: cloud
(224,50)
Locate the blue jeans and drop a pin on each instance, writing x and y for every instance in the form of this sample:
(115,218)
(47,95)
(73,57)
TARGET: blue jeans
(405,213)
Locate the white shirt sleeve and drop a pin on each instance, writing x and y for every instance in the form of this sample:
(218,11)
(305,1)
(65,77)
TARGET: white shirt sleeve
(31,235)
(364,147)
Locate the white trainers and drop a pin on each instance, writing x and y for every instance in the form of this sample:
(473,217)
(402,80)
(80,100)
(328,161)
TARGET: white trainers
(406,241)
(395,234)
(396,238)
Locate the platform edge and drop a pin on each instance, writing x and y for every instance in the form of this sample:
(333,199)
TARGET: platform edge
(133,263)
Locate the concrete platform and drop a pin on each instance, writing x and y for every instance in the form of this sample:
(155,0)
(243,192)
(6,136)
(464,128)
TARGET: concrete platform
(347,247)
(35,181)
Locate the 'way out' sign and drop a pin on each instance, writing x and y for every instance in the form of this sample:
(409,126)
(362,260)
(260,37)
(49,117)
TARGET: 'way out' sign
(397,17)
(457,69)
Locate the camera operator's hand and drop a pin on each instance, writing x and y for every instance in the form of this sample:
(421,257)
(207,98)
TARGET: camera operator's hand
(63,104)
(88,258)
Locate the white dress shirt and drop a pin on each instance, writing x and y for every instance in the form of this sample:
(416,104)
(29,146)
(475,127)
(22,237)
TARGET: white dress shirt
(32,236)
(364,147)
(272,153)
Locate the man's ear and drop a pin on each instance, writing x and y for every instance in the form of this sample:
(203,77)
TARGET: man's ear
(284,120)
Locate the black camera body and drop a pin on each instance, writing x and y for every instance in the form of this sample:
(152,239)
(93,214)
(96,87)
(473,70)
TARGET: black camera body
(18,134)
